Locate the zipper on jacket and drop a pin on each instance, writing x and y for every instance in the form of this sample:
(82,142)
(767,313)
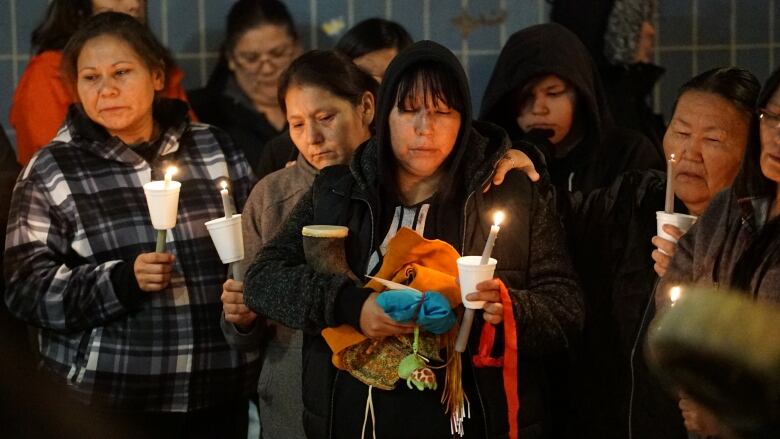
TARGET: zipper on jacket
(332,404)
(371,242)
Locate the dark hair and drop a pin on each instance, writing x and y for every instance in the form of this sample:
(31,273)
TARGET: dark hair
(329,70)
(61,21)
(734,84)
(248,14)
(371,35)
(433,81)
(122,27)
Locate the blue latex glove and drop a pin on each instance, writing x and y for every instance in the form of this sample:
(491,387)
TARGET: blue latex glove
(435,314)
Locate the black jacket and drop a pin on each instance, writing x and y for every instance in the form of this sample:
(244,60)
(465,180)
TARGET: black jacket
(532,262)
(248,128)
(605,150)
(609,233)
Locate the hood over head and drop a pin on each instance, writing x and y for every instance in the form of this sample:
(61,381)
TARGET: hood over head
(538,51)
(430,53)
(750,181)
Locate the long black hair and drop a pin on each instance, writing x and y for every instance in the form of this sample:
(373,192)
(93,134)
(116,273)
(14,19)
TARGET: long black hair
(371,35)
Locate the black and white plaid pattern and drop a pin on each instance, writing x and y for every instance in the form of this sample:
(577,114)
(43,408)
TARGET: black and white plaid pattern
(79,213)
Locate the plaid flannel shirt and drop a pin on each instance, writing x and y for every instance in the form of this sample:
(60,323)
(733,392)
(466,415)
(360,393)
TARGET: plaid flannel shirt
(78,220)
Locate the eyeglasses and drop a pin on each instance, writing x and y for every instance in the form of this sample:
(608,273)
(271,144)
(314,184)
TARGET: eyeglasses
(768,118)
(253,60)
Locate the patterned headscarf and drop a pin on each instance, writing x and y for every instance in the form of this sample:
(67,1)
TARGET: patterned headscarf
(623,29)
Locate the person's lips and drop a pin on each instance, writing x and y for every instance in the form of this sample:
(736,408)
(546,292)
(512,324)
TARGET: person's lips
(109,110)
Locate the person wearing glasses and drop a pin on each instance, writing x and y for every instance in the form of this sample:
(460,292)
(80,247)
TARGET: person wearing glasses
(240,97)
(736,242)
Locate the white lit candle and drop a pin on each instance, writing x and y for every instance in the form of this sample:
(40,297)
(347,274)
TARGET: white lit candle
(226,200)
(674,294)
(169,176)
(498,218)
(669,203)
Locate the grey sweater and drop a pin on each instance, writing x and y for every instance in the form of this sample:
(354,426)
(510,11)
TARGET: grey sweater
(279,386)
(708,254)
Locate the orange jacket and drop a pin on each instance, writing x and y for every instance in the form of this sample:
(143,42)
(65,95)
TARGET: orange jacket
(41,102)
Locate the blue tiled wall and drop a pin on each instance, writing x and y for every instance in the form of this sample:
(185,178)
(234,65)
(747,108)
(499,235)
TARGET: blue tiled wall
(692,35)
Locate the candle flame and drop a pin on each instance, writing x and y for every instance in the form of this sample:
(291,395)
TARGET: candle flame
(672,158)
(674,293)
(223,184)
(171,170)
(498,218)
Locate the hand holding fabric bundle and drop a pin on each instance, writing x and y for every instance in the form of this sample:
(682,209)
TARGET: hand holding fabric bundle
(430,310)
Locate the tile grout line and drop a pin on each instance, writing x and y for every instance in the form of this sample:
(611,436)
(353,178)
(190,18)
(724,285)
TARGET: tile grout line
(389,9)
(772,44)
(540,11)
(694,38)
(502,27)
(313,37)
(733,31)
(350,13)
(164,22)
(202,40)
(427,19)
(14,44)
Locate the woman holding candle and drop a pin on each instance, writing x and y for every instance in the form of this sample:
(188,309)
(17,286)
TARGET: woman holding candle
(736,242)
(611,237)
(329,103)
(131,333)
(426,168)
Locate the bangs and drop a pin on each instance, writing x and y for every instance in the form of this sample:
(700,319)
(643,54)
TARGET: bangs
(431,84)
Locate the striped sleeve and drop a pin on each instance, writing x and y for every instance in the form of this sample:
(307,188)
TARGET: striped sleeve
(48,284)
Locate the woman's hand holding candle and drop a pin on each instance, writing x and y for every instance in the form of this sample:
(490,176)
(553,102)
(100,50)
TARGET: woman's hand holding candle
(236,312)
(153,271)
(662,255)
(489,292)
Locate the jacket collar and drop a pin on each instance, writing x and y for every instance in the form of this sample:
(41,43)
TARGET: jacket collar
(170,114)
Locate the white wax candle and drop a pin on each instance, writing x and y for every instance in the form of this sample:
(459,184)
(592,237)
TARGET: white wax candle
(669,202)
(226,201)
(491,241)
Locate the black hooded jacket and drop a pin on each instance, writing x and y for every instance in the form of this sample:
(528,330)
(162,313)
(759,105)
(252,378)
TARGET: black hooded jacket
(532,262)
(604,151)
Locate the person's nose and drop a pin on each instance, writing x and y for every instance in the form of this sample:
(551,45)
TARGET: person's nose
(539,104)
(108,87)
(313,134)
(423,123)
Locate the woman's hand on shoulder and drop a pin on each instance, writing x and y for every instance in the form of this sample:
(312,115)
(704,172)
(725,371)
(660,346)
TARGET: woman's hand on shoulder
(513,159)
(153,271)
